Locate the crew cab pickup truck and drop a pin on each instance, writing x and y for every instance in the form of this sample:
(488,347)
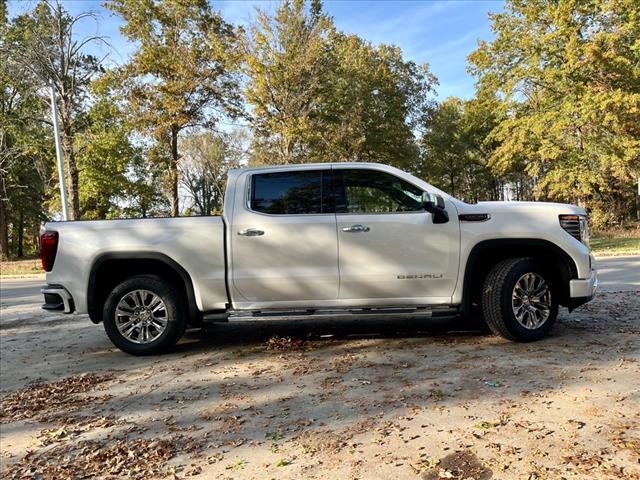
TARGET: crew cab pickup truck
(335,239)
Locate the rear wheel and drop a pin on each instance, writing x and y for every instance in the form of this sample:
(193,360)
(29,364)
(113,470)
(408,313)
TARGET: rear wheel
(144,315)
(518,300)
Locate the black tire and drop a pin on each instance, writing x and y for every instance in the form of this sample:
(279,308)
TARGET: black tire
(497,294)
(175,312)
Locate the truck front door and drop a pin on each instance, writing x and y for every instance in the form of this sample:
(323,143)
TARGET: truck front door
(390,251)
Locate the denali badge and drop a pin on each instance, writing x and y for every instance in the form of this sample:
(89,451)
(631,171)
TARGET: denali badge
(419,276)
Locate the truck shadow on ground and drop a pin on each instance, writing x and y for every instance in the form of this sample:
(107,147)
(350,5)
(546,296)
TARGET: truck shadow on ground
(319,330)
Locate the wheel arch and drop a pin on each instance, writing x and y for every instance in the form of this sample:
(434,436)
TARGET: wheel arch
(111,268)
(487,253)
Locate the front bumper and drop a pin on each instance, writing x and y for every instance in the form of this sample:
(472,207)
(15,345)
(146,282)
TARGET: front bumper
(56,298)
(584,287)
(582,290)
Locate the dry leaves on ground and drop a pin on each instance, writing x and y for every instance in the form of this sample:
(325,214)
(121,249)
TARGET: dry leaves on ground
(39,399)
(285,344)
(459,466)
(71,427)
(140,458)
(596,465)
(327,442)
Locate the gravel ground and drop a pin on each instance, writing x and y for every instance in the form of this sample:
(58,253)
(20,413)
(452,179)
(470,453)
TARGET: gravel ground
(324,399)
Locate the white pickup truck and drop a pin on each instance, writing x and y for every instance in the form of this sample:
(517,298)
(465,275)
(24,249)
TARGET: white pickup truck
(337,239)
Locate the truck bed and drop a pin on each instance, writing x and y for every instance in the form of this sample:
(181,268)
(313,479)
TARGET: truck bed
(194,243)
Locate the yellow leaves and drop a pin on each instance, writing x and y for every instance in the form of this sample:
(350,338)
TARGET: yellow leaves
(569,67)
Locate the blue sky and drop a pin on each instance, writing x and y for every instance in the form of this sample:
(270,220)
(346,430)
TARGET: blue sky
(441,33)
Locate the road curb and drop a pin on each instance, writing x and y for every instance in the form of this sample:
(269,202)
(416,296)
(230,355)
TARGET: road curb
(608,257)
(25,276)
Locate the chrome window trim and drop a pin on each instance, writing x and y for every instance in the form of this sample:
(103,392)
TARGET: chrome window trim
(330,167)
(412,212)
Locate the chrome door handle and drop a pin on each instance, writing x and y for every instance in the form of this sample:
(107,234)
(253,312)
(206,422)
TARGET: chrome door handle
(356,228)
(251,232)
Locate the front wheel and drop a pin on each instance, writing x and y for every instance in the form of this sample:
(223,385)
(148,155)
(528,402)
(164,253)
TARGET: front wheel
(143,315)
(518,301)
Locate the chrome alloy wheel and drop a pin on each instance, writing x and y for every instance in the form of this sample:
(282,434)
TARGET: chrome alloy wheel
(141,316)
(531,300)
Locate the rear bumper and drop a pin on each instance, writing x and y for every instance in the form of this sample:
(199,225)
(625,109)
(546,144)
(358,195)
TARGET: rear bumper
(56,298)
(582,290)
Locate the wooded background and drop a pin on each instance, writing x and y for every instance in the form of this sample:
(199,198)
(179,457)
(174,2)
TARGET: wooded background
(556,114)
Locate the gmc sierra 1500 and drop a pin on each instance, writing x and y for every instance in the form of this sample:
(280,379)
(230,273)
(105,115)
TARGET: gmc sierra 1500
(339,239)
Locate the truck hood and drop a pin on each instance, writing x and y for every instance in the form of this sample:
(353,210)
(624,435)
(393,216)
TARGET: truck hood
(509,207)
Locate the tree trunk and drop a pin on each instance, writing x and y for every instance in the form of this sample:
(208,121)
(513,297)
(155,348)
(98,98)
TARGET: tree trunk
(74,190)
(205,198)
(21,234)
(173,173)
(452,185)
(638,201)
(4,231)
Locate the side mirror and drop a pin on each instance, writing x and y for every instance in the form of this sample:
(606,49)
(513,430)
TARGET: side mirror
(435,205)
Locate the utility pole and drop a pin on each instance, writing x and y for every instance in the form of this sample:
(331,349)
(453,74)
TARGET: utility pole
(56,134)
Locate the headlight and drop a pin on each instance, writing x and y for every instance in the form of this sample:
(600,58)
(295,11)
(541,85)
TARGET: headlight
(577,226)
(584,230)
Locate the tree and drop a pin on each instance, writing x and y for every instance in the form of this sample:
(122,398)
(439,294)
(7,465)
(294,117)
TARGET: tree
(568,72)
(49,50)
(455,149)
(181,75)
(24,141)
(317,94)
(207,158)
(443,145)
(287,62)
(105,157)
(375,104)
(480,117)
(143,195)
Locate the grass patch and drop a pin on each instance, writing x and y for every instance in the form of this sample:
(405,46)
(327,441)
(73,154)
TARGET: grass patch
(613,245)
(274,436)
(21,267)
(485,425)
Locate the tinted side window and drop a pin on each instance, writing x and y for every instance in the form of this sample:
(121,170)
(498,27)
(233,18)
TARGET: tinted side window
(370,191)
(287,193)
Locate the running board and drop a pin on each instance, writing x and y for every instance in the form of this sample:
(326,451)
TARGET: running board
(440,312)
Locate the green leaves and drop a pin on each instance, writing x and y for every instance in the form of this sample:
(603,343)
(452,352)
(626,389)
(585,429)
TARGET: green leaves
(317,94)
(105,155)
(181,75)
(569,75)
(456,148)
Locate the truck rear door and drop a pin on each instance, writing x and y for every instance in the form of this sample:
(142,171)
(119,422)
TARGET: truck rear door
(283,241)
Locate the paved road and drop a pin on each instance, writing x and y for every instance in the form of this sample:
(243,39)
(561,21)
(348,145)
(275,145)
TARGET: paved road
(619,273)
(614,274)
(20,291)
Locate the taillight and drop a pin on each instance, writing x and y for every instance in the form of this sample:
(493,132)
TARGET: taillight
(48,249)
